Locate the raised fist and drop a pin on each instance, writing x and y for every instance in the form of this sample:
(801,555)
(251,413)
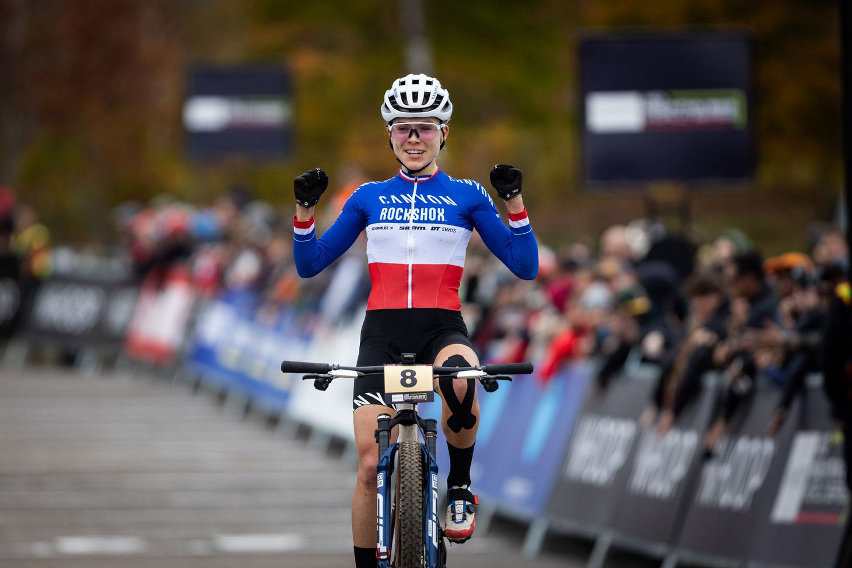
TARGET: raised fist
(506,180)
(309,186)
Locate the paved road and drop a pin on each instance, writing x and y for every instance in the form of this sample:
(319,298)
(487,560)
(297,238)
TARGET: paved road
(131,472)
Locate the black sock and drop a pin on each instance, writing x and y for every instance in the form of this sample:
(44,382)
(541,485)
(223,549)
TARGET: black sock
(460,460)
(365,558)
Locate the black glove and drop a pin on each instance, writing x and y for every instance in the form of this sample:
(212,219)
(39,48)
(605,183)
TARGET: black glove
(506,180)
(309,186)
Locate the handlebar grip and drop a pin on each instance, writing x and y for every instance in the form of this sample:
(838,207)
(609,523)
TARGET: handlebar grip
(509,368)
(304,367)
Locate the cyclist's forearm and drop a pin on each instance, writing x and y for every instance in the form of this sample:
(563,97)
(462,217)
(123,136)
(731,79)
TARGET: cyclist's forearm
(518,251)
(311,255)
(305,250)
(304,213)
(515,205)
(515,245)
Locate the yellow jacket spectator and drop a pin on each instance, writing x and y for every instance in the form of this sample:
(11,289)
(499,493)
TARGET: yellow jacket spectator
(32,244)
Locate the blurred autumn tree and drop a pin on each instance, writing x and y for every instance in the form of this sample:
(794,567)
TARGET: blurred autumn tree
(89,119)
(92,93)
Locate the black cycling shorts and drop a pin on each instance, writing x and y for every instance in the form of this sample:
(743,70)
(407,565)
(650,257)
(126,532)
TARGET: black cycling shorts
(387,334)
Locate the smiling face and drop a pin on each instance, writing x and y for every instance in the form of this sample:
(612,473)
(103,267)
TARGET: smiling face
(415,150)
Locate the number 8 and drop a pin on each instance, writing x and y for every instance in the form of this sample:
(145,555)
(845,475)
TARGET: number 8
(409,378)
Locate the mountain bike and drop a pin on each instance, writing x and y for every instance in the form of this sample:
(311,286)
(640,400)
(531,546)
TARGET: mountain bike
(409,531)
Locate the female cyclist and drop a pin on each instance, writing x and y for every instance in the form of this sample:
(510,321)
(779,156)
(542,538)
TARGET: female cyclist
(418,225)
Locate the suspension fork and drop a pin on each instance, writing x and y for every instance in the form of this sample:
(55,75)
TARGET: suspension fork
(432,534)
(383,496)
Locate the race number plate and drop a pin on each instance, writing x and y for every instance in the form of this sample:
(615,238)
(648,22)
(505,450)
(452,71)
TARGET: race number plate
(408,383)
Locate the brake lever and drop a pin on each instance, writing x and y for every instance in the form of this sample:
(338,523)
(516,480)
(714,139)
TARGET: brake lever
(490,384)
(321,382)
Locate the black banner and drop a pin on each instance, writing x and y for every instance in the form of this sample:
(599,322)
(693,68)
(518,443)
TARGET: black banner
(597,464)
(663,106)
(801,519)
(11,296)
(727,504)
(241,110)
(10,304)
(772,500)
(75,311)
(663,470)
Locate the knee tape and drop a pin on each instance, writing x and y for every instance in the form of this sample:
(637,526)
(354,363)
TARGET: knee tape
(462,411)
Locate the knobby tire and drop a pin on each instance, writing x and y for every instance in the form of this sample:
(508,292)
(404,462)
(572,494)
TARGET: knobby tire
(411,520)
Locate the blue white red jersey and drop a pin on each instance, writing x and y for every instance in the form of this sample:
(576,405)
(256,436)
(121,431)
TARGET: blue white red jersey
(418,230)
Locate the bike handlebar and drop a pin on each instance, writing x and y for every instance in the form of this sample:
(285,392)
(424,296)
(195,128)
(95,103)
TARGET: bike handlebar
(491,369)
(304,367)
(508,368)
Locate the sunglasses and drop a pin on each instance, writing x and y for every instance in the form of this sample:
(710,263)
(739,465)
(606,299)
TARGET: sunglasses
(425,131)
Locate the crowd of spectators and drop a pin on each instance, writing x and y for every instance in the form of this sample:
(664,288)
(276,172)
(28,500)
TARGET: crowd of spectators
(674,307)
(236,244)
(637,297)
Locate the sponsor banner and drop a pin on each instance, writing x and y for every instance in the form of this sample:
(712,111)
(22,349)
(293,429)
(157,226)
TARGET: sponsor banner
(665,106)
(663,468)
(234,348)
(524,430)
(687,109)
(802,519)
(112,327)
(10,305)
(730,498)
(75,311)
(597,465)
(329,411)
(240,110)
(505,415)
(161,316)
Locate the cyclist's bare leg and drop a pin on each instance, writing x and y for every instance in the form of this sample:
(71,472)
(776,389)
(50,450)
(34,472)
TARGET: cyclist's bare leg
(464,436)
(460,422)
(364,498)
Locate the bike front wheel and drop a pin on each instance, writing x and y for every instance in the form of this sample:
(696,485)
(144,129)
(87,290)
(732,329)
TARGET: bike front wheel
(410,509)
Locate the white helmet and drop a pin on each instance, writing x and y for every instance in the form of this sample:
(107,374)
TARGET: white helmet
(417,96)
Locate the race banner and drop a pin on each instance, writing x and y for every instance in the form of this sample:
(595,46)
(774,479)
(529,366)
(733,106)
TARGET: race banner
(523,433)
(728,503)
(235,349)
(75,311)
(329,412)
(801,521)
(597,466)
(112,327)
(10,305)
(663,469)
(238,110)
(665,106)
(161,316)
